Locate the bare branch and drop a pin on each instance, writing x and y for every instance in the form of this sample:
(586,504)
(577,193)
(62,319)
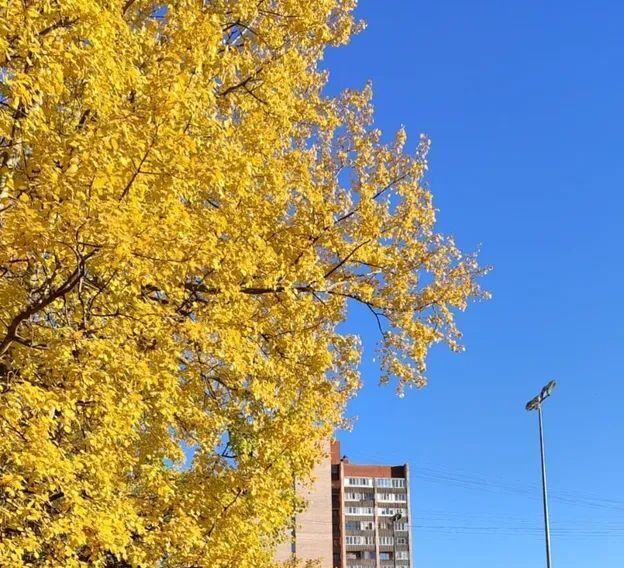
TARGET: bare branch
(346,258)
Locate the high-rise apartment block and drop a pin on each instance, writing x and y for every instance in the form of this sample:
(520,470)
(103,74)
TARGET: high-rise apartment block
(358,516)
(370,514)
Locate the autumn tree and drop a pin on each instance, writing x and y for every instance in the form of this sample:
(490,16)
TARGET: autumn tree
(184,217)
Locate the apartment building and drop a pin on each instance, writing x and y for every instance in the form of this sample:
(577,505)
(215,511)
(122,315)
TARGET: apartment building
(370,514)
(357,516)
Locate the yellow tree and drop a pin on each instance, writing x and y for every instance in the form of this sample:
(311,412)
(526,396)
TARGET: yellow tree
(184,217)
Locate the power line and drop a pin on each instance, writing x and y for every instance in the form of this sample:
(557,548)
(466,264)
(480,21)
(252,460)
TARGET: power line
(498,529)
(469,481)
(435,473)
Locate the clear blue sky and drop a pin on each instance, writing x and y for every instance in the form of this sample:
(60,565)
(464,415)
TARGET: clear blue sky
(524,104)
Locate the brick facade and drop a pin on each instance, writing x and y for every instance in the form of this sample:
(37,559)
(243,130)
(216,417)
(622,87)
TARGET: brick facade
(312,537)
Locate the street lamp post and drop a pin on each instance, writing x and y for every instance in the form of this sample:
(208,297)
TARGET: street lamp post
(536,404)
(395,518)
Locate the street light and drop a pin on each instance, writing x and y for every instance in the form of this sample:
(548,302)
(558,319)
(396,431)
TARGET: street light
(536,404)
(396,517)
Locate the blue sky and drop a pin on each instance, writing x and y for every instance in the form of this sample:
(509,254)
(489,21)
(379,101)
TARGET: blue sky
(523,103)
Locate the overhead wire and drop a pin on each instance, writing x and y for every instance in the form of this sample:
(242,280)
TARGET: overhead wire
(501,524)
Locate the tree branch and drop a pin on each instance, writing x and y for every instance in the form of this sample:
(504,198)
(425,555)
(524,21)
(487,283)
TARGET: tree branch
(72,280)
(346,258)
(62,23)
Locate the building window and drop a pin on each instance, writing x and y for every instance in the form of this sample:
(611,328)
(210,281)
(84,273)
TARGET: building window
(390,511)
(402,555)
(359,525)
(385,555)
(367,526)
(395,482)
(359,510)
(359,481)
(385,540)
(400,497)
(401,540)
(355,540)
(356,496)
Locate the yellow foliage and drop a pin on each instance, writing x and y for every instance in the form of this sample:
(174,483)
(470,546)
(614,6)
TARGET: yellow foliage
(183,218)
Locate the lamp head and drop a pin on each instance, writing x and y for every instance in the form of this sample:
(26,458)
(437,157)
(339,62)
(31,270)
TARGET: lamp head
(547,390)
(535,402)
(396,517)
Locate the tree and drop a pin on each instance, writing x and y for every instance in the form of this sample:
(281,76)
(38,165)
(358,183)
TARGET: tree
(184,217)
